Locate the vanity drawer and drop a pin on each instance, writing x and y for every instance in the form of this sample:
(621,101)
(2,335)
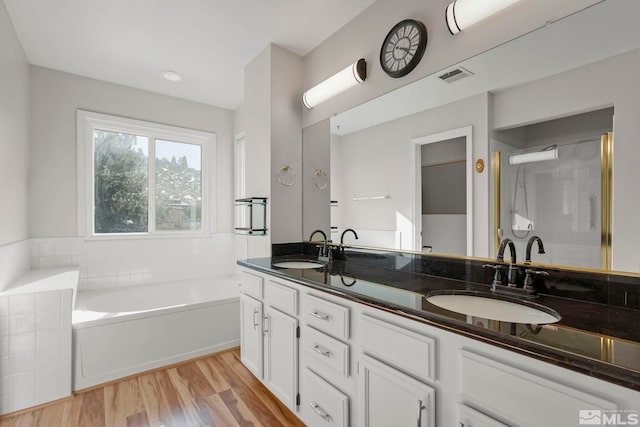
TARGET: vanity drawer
(281,297)
(252,284)
(405,349)
(326,316)
(325,351)
(506,390)
(322,404)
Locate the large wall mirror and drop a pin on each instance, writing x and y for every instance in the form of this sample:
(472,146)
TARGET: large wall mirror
(415,169)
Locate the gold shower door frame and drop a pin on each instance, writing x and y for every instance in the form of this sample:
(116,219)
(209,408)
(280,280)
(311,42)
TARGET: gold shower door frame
(606,190)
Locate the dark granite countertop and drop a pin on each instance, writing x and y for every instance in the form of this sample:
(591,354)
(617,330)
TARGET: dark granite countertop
(598,334)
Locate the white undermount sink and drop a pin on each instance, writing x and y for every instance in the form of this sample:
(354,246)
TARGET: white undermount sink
(489,307)
(298,264)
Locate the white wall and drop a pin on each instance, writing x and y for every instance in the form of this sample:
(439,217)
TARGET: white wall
(612,82)
(257,127)
(286,144)
(55,97)
(377,162)
(316,201)
(362,37)
(14,114)
(272,121)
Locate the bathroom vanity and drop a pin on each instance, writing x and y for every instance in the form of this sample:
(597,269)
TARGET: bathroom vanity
(356,342)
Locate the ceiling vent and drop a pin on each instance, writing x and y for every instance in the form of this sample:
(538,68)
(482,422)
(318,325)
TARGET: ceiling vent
(455,74)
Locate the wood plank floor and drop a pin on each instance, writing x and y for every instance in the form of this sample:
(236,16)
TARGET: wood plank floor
(213,391)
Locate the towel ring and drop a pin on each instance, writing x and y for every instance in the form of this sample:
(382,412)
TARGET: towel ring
(320,179)
(281,176)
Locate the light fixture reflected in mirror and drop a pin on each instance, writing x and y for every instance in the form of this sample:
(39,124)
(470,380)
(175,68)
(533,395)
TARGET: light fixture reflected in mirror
(462,14)
(351,76)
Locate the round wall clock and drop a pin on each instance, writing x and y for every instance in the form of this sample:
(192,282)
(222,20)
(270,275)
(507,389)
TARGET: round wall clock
(403,47)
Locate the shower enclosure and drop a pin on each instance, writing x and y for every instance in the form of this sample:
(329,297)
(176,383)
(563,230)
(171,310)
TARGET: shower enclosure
(559,192)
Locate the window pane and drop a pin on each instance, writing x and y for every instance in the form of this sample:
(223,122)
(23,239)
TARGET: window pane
(178,186)
(121,182)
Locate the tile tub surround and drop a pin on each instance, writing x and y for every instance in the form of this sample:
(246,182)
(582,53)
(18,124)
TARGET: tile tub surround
(585,323)
(14,262)
(113,263)
(35,339)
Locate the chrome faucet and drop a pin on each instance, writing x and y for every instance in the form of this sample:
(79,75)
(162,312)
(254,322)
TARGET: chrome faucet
(512,272)
(323,254)
(530,243)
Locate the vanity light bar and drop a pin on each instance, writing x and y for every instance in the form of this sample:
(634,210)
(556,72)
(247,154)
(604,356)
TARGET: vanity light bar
(351,76)
(462,14)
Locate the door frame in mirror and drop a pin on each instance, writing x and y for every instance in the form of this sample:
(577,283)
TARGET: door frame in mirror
(416,172)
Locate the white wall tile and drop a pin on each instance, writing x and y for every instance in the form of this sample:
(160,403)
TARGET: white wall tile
(22,363)
(4,346)
(48,357)
(4,306)
(14,262)
(22,304)
(47,377)
(22,323)
(21,400)
(4,324)
(4,372)
(23,382)
(48,301)
(22,343)
(48,319)
(47,394)
(48,338)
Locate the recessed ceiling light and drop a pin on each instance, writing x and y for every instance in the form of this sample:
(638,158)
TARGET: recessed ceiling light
(171,76)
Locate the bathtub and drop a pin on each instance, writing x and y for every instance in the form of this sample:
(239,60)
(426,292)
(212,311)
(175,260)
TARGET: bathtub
(127,330)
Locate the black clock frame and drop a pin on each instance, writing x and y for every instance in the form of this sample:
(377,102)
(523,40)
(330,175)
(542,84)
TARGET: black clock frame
(422,46)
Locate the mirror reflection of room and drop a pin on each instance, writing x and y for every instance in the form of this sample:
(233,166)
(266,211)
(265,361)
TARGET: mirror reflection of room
(551,187)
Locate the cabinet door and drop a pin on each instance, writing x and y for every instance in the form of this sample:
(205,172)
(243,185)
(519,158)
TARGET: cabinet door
(388,397)
(469,417)
(281,355)
(251,327)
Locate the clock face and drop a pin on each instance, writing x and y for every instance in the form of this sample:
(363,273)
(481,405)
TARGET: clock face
(403,47)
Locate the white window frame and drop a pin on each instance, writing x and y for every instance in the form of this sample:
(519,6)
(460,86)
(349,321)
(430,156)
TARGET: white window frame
(88,121)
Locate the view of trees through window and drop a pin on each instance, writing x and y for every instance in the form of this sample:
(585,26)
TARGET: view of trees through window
(123,189)
(178,187)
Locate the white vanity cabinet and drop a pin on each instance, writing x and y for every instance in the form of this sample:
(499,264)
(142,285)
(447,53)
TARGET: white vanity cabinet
(281,355)
(251,334)
(394,369)
(327,385)
(389,397)
(469,417)
(269,335)
(359,365)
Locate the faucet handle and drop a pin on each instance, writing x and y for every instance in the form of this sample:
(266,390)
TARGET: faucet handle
(497,276)
(531,276)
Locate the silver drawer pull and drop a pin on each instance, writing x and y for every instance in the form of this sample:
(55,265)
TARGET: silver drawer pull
(320,412)
(322,351)
(319,315)
(255,319)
